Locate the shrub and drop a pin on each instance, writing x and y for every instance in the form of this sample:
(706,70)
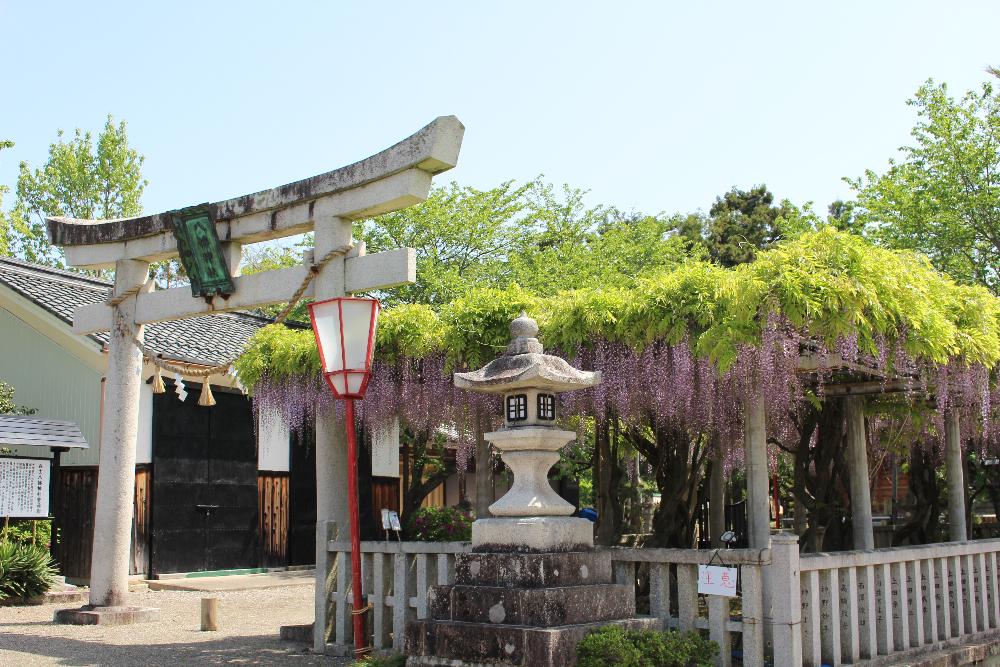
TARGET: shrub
(26,571)
(441,524)
(614,646)
(394,660)
(28,531)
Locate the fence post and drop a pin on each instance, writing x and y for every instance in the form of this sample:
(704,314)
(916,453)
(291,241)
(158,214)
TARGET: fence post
(325,566)
(786,600)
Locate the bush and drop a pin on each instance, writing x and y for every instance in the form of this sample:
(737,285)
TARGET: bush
(28,531)
(441,524)
(26,571)
(614,646)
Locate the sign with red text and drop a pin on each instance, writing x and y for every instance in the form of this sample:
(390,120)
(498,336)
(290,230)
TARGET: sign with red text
(716,580)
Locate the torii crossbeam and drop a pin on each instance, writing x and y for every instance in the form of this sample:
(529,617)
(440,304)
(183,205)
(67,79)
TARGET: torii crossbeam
(326,204)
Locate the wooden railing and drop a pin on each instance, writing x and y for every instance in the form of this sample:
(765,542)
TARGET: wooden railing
(672,572)
(843,608)
(858,605)
(396,577)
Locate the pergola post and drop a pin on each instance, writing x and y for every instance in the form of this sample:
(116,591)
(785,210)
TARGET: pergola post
(857,463)
(331,441)
(956,477)
(758,492)
(758,496)
(119,431)
(717,502)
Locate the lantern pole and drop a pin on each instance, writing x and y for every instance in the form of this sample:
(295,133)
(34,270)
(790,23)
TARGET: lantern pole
(358,610)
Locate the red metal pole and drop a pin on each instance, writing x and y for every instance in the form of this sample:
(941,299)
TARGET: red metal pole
(777,504)
(352,496)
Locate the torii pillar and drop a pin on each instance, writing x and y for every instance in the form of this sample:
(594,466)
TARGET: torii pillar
(395,178)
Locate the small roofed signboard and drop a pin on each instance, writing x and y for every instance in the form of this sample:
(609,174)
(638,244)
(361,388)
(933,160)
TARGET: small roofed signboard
(24,482)
(24,488)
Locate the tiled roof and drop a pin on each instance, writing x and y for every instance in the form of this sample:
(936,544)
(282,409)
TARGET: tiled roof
(211,339)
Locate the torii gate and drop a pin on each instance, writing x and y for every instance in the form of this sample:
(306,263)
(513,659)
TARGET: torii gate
(397,177)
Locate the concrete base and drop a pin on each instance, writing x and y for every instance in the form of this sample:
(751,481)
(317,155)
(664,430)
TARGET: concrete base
(532,534)
(88,615)
(52,597)
(302,634)
(537,607)
(435,643)
(520,610)
(521,570)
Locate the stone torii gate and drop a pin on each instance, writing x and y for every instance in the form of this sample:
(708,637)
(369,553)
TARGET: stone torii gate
(395,178)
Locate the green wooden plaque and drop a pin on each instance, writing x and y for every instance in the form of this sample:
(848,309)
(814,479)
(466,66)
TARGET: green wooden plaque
(201,253)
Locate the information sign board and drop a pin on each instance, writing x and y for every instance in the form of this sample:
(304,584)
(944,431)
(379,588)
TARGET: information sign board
(24,488)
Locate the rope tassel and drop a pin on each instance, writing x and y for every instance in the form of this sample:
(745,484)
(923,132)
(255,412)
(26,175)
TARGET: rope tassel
(158,386)
(206,399)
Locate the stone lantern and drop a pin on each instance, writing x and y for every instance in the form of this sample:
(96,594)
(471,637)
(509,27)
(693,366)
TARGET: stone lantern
(531,516)
(533,585)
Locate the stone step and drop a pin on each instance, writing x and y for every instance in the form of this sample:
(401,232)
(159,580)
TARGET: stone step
(433,643)
(533,570)
(540,607)
(302,634)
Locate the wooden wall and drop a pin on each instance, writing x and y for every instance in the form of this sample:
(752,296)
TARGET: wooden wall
(272,496)
(385,495)
(140,520)
(74,521)
(73,511)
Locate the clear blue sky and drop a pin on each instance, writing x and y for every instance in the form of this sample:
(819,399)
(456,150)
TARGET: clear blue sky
(655,106)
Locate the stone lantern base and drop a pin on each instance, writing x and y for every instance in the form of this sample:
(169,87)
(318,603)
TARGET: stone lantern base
(532,534)
(520,609)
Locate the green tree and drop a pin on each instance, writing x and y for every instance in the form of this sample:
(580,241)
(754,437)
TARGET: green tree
(7,404)
(5,222)
(463,237)
(741,222)
(942,195)
(78,180)
(543,238)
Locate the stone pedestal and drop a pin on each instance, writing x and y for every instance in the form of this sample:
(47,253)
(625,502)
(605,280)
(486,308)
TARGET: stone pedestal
(533,585)
(90,615)
(520,609)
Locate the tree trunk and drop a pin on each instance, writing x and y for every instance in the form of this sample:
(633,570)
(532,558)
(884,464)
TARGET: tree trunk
(679,463)
(923,524)
(821,478)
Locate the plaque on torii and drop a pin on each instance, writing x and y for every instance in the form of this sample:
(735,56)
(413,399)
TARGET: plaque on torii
(326,204)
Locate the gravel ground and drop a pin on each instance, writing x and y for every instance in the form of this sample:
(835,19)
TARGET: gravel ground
(248,635)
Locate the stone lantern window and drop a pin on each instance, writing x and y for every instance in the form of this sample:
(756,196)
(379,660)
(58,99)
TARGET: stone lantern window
(517,407)
(546,407)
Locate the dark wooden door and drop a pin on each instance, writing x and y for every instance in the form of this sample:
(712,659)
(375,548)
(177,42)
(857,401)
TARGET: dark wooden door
(302,497)
(204,501)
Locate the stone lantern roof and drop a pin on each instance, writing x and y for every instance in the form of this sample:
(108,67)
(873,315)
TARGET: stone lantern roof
(524,365)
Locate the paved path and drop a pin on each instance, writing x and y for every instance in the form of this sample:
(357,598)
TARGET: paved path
(248,619)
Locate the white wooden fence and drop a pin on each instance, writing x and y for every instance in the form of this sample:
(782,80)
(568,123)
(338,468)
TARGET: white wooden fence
(675,571)
(858,605)
(844,608)
(395,578)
